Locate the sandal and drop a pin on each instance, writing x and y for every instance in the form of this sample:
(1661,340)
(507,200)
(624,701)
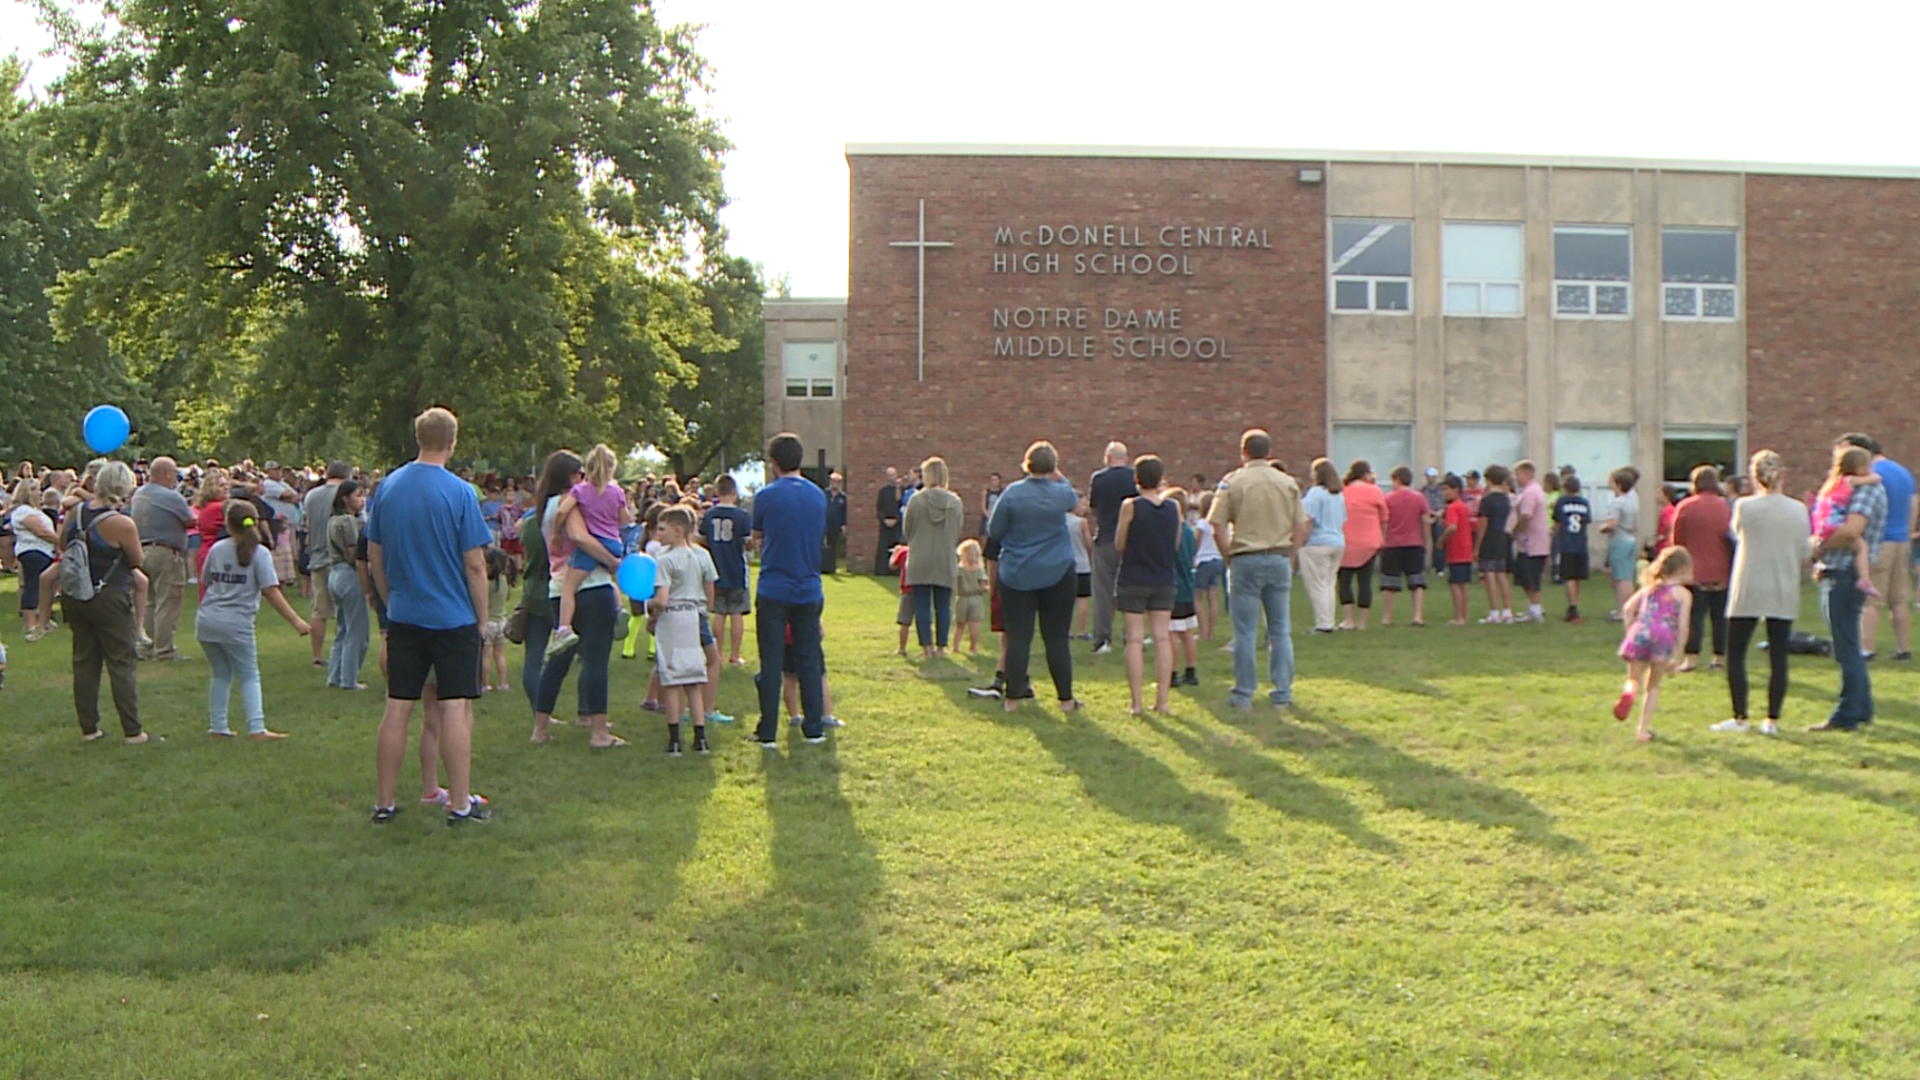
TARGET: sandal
(617,741)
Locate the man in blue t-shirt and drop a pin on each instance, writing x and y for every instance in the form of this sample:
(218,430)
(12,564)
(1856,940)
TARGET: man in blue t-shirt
(425,539)
(789,524)
(724,530)
(1893,566)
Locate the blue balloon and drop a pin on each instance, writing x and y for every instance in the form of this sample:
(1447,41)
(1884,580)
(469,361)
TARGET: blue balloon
(637,576)
(106,428)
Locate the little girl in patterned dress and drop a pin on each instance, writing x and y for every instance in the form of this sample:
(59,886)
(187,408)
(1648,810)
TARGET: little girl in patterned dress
(1656,619)
(1830,512)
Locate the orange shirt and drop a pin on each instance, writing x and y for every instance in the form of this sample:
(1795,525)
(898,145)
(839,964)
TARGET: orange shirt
(1366,523)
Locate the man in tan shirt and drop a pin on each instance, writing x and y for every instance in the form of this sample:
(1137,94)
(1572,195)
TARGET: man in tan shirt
(1260,524)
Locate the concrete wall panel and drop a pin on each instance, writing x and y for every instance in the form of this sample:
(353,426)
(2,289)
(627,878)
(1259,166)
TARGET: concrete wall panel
(1592,196)
(1477,193)
(1370,191)
(1701,198)
(1594,361)
(1371,365)
(1705,375)
(1486,376)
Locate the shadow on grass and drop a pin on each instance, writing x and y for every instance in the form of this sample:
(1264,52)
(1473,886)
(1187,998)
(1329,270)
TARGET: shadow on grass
(1752,768)
(799,958)
(1270,783)
(1413,783)
(1113,772)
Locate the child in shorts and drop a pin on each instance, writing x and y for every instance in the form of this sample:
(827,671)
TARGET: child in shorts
(683,589)
(1456,544)
(603,506)
(970,590)
(898,560)
(501,578)
(1493,522)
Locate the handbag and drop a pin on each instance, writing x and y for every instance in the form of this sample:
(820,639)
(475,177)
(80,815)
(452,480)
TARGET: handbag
(517,625)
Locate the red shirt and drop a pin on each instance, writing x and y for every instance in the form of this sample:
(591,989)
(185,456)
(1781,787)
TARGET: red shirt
(1460,544)
(209,522)
(1701,525)
(1405,507)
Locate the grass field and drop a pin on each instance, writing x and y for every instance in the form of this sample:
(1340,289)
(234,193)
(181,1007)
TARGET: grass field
(1449,861)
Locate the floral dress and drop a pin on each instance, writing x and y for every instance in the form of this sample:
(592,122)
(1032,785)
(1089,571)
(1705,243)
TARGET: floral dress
(1656,629)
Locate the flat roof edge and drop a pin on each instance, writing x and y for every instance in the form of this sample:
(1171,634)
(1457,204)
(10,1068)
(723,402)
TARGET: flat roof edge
(1377,157)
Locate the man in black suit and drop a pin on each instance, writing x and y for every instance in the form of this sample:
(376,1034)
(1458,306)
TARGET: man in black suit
(886,506)
(836,525)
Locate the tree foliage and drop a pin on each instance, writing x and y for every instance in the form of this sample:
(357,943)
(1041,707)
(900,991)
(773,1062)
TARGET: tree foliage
(319,219)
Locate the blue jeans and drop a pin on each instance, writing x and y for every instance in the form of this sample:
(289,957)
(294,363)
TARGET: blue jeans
(770,629)
(932,604)
(594,611)
(539,632)
(350,641)
(231,663)
(1261,584)
(1840,604)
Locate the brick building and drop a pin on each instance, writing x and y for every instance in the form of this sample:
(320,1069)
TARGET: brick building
(1448,310)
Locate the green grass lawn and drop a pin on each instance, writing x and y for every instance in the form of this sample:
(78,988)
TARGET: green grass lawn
(1448,862)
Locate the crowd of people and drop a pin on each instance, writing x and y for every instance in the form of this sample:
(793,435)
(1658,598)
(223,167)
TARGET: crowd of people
(433,557)
(1725,556)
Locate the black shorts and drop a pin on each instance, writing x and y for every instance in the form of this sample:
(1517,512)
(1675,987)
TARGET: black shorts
(1403,568)
(1184,609)
(451,658)
(1528,571)
(1460,573)
(1138,599)
(1573,566)
(1085,586)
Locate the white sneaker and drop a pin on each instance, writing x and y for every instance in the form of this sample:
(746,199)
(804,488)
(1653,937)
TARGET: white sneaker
(563,639)
(1768,727)
(1738,727)
(1103,648)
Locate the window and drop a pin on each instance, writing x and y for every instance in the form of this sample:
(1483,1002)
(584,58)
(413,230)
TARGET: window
(810,368)
(1476,446)
(1382,445)
(1594,452)
(1683,449)
(1699,273)
(1592,272)
(1372,265)
(1484,266)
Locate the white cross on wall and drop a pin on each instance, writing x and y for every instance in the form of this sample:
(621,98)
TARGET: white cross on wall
(921,244)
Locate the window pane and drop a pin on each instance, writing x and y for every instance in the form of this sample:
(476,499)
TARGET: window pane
(823,388)
(1463,299)
(1350,295)
(1683,301)
(808,360)
(796,388)
(1382,445)
(1572,299)
(1485,252)
(1503,299)
(1363,247)
(1719,303)
(1700,255)
(1594,453)
(1476,446)
(1610,300)
(1393,295)
(1592,254)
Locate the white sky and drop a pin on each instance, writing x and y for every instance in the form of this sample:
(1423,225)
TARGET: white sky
(1631,78)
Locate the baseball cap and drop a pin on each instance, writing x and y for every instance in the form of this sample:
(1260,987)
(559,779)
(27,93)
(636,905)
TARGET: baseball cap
(1473,474)
(1432,472)
(272,465)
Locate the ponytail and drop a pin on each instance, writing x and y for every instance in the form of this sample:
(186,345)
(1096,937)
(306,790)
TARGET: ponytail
(243,529)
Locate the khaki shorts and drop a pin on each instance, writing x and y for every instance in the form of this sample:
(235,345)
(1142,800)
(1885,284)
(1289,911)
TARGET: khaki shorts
(322,599)
(1893,575)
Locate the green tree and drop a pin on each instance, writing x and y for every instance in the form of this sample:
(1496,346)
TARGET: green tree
(724,405)
(49,382)
(329,216)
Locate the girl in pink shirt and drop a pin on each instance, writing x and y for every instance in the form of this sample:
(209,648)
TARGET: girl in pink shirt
(1366,533)
(602,506)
